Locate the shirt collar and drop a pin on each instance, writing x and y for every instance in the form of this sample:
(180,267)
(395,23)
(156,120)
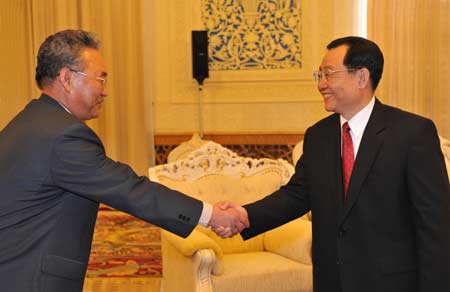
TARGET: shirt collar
(64,107)
(359,121)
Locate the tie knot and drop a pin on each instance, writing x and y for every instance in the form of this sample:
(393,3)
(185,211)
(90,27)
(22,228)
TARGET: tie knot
(346,127)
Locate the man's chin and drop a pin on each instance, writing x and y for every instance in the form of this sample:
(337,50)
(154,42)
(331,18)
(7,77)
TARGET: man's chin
(96,112)
(329,107)
(95,115)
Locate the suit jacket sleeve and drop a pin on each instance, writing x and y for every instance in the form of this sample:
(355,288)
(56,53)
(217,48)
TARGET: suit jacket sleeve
(428,186)
(80,166)
(288,203)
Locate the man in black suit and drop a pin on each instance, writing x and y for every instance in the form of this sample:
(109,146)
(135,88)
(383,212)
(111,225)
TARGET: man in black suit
(379,192)
(54,172)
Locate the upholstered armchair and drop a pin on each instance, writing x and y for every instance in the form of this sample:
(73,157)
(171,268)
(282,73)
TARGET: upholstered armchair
(278,260)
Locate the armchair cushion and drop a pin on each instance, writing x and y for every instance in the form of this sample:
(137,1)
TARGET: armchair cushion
(292,240)
(263,271)
(236,244)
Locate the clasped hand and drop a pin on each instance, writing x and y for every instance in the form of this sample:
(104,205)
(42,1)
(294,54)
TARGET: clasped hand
(228,219)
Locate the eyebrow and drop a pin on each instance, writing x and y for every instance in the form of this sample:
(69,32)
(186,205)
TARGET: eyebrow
(329,67)
(326,67)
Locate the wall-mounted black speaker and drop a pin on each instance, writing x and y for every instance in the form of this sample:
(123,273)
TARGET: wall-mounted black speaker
(200,55)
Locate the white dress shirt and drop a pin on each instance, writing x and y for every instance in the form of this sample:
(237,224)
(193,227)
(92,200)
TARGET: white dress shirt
(358,123)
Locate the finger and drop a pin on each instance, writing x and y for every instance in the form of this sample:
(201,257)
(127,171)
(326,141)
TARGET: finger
(226,233)
(218,229)
(246,223)
(225,230)
(239,226)
(243,221)
(244,217)
(234,229)
(224,205)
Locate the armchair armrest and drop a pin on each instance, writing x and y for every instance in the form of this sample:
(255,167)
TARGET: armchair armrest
(195,241)
(187,266)
(292,240)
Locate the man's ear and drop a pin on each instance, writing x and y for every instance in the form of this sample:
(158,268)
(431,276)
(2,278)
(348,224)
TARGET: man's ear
(65,78)
(363,78)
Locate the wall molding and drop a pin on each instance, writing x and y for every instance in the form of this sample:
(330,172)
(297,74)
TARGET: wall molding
(223,139)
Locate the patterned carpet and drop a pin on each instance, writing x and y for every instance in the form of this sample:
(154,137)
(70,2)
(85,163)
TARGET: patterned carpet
(126,254)
(124,246)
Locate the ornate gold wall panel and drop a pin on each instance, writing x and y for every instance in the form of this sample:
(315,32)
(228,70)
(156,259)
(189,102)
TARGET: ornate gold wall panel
(253,34)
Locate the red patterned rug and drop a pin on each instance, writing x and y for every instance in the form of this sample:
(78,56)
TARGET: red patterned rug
(124,246)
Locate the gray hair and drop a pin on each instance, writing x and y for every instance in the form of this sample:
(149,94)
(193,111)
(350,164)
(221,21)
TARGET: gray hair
(62,49)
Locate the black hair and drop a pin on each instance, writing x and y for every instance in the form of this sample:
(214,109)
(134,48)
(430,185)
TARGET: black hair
(62,49)
(362,53)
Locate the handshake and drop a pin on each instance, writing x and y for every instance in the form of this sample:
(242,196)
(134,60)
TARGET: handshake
(228,219)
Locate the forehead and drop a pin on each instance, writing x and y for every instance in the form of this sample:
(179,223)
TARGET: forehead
(93,60)
(334,57)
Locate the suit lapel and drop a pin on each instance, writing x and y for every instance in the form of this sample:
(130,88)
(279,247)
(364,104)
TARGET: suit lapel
(371,142)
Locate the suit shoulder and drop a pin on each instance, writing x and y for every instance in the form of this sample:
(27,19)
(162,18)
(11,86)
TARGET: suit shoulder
(325,123)
(81,131)
(40,120)
(406,127)
(400,117)
(406,122)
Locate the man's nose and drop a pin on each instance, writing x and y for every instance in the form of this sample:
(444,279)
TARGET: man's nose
(322,83)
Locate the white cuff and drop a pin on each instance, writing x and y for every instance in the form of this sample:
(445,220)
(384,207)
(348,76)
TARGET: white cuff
(206,214)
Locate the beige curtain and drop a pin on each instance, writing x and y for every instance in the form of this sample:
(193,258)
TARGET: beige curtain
(415,38)
(123,125)
(16,58)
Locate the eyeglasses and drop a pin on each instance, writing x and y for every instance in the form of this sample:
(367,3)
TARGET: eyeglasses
(100,79)
(328,74)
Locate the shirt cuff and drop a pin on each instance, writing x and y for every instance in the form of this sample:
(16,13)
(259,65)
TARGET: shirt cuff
(206,214)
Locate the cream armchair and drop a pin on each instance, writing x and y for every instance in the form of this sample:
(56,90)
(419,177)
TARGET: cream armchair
(278,260)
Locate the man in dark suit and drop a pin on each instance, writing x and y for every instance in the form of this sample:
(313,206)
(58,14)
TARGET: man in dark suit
(54,172)
(379,192)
